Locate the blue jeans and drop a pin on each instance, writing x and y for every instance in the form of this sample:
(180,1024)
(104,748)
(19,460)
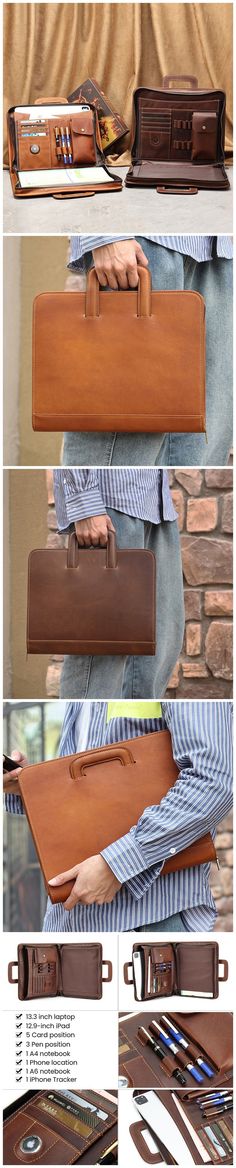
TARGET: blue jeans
(138,677)
(213,279)
(172,924)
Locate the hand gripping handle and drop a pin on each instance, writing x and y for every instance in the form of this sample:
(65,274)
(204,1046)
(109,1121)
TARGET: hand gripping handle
(74,552)
(144,293)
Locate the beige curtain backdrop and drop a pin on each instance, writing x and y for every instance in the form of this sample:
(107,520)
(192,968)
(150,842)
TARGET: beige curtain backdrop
(49,49)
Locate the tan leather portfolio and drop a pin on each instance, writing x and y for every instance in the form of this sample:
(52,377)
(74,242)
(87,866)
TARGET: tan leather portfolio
(55,149)
(93,798)
(130,361)
(91,600)
(178,138)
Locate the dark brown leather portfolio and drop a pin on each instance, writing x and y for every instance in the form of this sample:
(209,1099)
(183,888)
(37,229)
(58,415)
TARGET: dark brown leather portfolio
(61,1127)
(183,968)
(91,600)
(178,138)
(93,798)
(155,382)
(57,140)
(50,971)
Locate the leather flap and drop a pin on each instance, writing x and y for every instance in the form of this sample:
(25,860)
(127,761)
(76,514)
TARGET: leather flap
(204,121)
(83,123)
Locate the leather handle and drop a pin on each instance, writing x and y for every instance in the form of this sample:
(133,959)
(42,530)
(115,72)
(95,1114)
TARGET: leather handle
(51,101)
(224,976)
(177,190)
(109,971)
(136,1130)
(128,980)
(11,966)
(144,293)
(193,81)
(90,758)
(74,552)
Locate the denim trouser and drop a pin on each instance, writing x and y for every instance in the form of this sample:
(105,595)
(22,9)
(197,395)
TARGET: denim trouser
(138,677)
(213,279)
(172,924)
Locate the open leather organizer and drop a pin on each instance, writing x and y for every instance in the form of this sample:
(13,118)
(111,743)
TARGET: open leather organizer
(209,1140)
(209,1037)
(61,1127)
(55,149)
(164,970)
(178,138)
(50,971)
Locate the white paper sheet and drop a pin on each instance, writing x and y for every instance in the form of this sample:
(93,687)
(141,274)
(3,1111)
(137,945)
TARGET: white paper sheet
(74,176)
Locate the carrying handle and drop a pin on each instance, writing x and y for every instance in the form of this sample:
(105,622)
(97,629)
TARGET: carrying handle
(224,976)
(109,970)
(74,552)
(91,758)
(177,190)
(127,966)
(144,293)
(136,1132)
(193,81)
(11,966)
(51,101)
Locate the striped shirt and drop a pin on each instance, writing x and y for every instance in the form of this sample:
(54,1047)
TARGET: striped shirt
(140,492)
(201,735)
(199,247)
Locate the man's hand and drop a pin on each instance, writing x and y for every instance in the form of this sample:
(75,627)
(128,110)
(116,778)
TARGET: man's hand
(21,761)
(93,530)
(116,263)
(95,883)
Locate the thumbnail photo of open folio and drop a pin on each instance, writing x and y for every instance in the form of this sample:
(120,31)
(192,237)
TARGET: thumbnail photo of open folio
(194,1050)
(61,1127)
(177,1127)
(128,809)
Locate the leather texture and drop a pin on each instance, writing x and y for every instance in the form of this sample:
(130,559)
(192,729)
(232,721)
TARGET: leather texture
(192,966)
(192,1112)
(214,1042)
(137,1131)
(155,383)
(60,1144)
(93,798)
(73,971)
(170,148)
(86,150)
(91,600)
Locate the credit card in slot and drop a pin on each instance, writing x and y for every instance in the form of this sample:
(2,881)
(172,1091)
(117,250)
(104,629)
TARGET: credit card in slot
(77,1099)
(220,1134)
(217,1145)
(80,1123)
(211,1151)
(222,1123)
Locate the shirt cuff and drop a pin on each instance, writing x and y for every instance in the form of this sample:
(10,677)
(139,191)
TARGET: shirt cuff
(84,504)
(125,858)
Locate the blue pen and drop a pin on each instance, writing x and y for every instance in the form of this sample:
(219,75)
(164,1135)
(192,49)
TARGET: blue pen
(63,142)
(172,1046)
(216,1100)
(187,1046)
(68,145)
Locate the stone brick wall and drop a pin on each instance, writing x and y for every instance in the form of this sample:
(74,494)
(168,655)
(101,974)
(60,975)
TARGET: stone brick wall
(204,502)
(222,878)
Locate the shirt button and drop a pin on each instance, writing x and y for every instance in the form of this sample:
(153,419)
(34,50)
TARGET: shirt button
(172,851)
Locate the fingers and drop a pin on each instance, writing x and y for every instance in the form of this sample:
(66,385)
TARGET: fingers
(140,254)
(110,524)
(64,877)
(16,754)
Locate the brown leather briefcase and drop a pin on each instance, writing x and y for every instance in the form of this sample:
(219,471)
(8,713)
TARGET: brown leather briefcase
(66,144)
(93,798)
(68,971)
(91,600)
(97,380)
(188,968)
(178,139)
(61,1127)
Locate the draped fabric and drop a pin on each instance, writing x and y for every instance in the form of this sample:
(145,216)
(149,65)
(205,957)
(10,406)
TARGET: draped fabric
(49,49)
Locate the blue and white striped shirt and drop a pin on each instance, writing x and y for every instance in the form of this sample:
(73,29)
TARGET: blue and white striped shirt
(141,492)
(201,735)
(197,246)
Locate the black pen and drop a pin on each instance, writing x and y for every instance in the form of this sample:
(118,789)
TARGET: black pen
(146,1040)
(217,1110)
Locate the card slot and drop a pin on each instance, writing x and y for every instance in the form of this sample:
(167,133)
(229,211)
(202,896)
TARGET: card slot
(33,152)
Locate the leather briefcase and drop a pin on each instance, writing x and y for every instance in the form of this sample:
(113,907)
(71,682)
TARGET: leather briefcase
(55,149)
(61,1127)
(91,600)
(51,971)
(153,383)
(93,798)
(186,968)
(178,139)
